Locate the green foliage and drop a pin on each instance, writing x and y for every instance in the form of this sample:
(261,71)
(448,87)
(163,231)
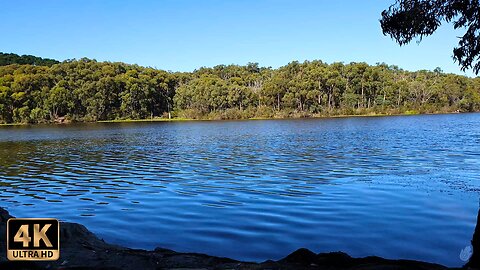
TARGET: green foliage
(11,58)
(87,90)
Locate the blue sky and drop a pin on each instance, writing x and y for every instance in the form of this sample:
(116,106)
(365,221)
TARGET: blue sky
(182,35)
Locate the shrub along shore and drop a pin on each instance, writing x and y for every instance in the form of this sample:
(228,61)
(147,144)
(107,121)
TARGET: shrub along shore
(177,119)
(33,90)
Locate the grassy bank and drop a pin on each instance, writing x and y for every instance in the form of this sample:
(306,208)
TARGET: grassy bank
(219,118)
(13,124)
(318,116)
(156,119)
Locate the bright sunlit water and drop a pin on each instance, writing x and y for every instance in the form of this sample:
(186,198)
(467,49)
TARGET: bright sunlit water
(397,187)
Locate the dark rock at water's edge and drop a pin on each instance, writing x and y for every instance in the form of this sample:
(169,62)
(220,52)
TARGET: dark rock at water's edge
(474,261)
(82,250)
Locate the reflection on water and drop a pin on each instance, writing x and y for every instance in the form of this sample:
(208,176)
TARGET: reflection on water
(398,187)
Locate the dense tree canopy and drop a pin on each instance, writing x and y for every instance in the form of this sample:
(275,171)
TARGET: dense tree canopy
(408,19)
(11,58)
(87,90)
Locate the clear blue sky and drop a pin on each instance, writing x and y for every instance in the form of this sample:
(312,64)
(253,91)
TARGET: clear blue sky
(182,35)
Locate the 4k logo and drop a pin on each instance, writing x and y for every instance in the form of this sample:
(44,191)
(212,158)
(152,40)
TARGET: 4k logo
(31,239)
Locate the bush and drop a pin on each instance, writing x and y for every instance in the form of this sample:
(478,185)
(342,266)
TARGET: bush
(412,112)
(190,114)
(37,115)
(264,112)
(232,113)
(21,115)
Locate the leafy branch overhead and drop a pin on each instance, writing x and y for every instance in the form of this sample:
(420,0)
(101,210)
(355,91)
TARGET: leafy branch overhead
(409,19)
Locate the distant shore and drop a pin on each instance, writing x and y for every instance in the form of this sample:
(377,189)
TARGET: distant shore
(177,119)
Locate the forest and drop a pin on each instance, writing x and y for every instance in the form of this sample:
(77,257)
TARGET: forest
(11,58)
(86,90)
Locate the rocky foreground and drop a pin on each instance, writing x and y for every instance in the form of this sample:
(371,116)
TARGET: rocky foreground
(80,249)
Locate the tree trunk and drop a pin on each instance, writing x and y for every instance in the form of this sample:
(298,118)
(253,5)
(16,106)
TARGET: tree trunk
(329,100)
(363,98)
(398,99)
(278,102)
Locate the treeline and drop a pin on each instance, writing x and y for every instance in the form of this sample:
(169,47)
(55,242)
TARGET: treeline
(87,90)
(11,58)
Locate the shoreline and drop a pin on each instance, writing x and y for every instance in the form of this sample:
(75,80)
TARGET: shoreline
(81,249)
(246,119)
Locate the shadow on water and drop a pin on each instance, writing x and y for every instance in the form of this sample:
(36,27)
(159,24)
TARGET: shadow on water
(474,261)
(78,244)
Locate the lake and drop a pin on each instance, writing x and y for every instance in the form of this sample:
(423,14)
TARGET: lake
(397,187)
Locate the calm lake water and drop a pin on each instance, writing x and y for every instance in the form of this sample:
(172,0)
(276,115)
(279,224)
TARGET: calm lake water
(397,187)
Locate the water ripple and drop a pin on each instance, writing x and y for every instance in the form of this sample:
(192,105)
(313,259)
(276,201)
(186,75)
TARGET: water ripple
(398,187)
